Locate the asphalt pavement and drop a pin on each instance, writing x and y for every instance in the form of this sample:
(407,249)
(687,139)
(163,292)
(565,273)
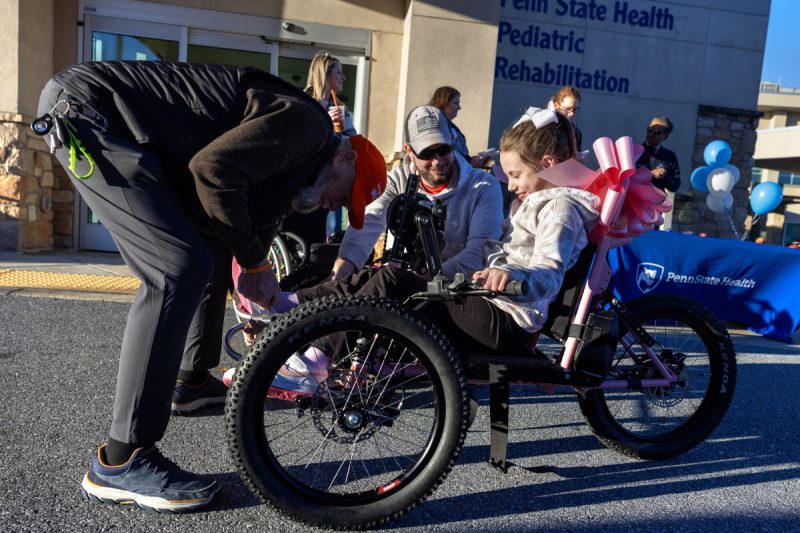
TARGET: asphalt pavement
(58,359)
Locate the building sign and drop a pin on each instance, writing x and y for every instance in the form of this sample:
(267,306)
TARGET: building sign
(631,60)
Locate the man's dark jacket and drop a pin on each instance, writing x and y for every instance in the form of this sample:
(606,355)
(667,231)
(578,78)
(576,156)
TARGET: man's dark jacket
(660,156)
(236,144)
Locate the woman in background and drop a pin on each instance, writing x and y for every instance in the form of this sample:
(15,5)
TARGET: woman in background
(448,99)
(567,101)
(325,79)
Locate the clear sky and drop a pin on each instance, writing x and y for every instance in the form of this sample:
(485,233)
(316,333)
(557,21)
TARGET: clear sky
(781,56)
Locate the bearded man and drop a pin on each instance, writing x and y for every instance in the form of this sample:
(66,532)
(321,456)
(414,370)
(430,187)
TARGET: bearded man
(472,198)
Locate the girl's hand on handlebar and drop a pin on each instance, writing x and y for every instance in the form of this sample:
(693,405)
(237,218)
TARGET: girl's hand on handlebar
(493,279)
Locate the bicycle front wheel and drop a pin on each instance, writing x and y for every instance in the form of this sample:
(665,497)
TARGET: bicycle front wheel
(662,422)
(347,412)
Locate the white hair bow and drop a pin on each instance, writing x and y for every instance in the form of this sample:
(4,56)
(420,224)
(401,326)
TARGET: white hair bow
(540,117)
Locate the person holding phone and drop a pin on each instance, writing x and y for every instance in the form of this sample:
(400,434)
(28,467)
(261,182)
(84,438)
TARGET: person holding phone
(663,163)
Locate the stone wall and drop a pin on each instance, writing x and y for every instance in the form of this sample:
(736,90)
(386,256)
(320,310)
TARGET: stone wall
(737,127)
(36,196)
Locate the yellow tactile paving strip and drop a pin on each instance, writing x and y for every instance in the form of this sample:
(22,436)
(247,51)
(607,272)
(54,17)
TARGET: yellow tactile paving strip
(28,279)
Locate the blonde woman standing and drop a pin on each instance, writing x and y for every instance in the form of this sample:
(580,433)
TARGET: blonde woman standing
(325,79)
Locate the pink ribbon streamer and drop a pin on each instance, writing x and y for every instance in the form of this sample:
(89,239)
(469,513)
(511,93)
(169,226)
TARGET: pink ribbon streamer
(631,204)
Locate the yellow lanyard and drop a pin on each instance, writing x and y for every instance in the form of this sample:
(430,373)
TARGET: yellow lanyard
(73,155)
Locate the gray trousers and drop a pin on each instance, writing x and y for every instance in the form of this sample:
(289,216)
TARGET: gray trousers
(176,318)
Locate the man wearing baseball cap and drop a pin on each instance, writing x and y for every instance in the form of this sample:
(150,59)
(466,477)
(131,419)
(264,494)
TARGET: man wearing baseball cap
(188,166)
(663,163)
(472,197)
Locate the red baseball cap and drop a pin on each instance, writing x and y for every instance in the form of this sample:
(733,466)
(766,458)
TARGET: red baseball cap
(370,179)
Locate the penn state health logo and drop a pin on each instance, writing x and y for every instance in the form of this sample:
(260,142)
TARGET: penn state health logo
(648,276)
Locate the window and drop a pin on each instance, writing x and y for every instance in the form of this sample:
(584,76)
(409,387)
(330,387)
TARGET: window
(788,178)
(226,56)
(111,46)
(791,233)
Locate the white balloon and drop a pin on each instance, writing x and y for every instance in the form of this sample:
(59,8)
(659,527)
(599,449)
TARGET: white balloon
(719,203)
(735,171)
(727,201)
(720,181)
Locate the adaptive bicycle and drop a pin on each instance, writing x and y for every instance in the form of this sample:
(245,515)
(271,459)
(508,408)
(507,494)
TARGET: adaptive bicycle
(383,413)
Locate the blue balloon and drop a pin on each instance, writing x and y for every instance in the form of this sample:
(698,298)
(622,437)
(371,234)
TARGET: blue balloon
(699,177)
(717,154)
(765,197)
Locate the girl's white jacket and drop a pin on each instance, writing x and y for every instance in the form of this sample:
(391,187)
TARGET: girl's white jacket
(547,233)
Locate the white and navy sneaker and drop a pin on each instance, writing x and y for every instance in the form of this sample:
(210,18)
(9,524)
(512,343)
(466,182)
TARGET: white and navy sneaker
(149,480)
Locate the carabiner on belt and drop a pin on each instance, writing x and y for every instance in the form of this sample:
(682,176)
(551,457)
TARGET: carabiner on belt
(61,133)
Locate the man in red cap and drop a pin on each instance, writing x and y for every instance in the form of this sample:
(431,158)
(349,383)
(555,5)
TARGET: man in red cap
(188,166)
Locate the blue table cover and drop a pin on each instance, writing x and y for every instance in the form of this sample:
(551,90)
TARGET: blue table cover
(754,284)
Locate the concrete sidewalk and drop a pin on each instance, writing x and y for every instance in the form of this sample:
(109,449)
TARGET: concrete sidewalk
(67,274)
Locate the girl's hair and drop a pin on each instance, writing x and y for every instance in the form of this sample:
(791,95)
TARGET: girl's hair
(318,72)
(442,96)
(532,143)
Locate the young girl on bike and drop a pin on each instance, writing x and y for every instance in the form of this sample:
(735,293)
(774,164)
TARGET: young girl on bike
(549,228)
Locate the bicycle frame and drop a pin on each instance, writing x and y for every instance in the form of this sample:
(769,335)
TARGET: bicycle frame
(595,285)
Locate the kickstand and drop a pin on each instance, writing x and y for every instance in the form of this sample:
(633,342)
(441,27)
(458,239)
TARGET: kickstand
(498,412)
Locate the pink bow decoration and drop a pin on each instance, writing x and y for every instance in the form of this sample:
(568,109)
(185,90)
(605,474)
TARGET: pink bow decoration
(631,204)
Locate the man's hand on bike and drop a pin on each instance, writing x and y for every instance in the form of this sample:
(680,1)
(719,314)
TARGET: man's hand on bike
(260,287)
(342,268)
(493,279)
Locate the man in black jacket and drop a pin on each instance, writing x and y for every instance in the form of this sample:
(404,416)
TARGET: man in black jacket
(663,163)
(188,166)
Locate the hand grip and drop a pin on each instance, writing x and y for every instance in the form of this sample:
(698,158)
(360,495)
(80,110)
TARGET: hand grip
(516,288)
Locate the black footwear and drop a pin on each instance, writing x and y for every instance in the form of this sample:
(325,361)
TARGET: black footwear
(188,399)
(473,406)
(149,480)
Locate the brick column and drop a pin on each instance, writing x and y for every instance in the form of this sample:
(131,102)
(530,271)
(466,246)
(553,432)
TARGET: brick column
(36,196)
(737,127)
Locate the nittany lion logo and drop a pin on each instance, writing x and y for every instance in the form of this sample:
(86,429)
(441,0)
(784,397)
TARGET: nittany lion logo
(648,276)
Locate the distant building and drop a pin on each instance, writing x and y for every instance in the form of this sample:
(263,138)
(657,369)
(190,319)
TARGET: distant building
(777,158)
(697,62)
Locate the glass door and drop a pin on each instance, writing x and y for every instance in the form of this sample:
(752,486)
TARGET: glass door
(200,36)
(108,39)
(230,49)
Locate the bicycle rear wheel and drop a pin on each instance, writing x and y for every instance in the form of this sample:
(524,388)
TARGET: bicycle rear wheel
(661,422)
(279,258)
(347,412)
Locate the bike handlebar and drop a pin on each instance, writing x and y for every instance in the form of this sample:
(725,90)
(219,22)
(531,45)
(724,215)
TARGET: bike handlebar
(516,288)
(461,288)
(513,288)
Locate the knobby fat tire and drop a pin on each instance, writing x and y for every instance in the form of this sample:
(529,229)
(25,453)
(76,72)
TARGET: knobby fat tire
(715,403)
